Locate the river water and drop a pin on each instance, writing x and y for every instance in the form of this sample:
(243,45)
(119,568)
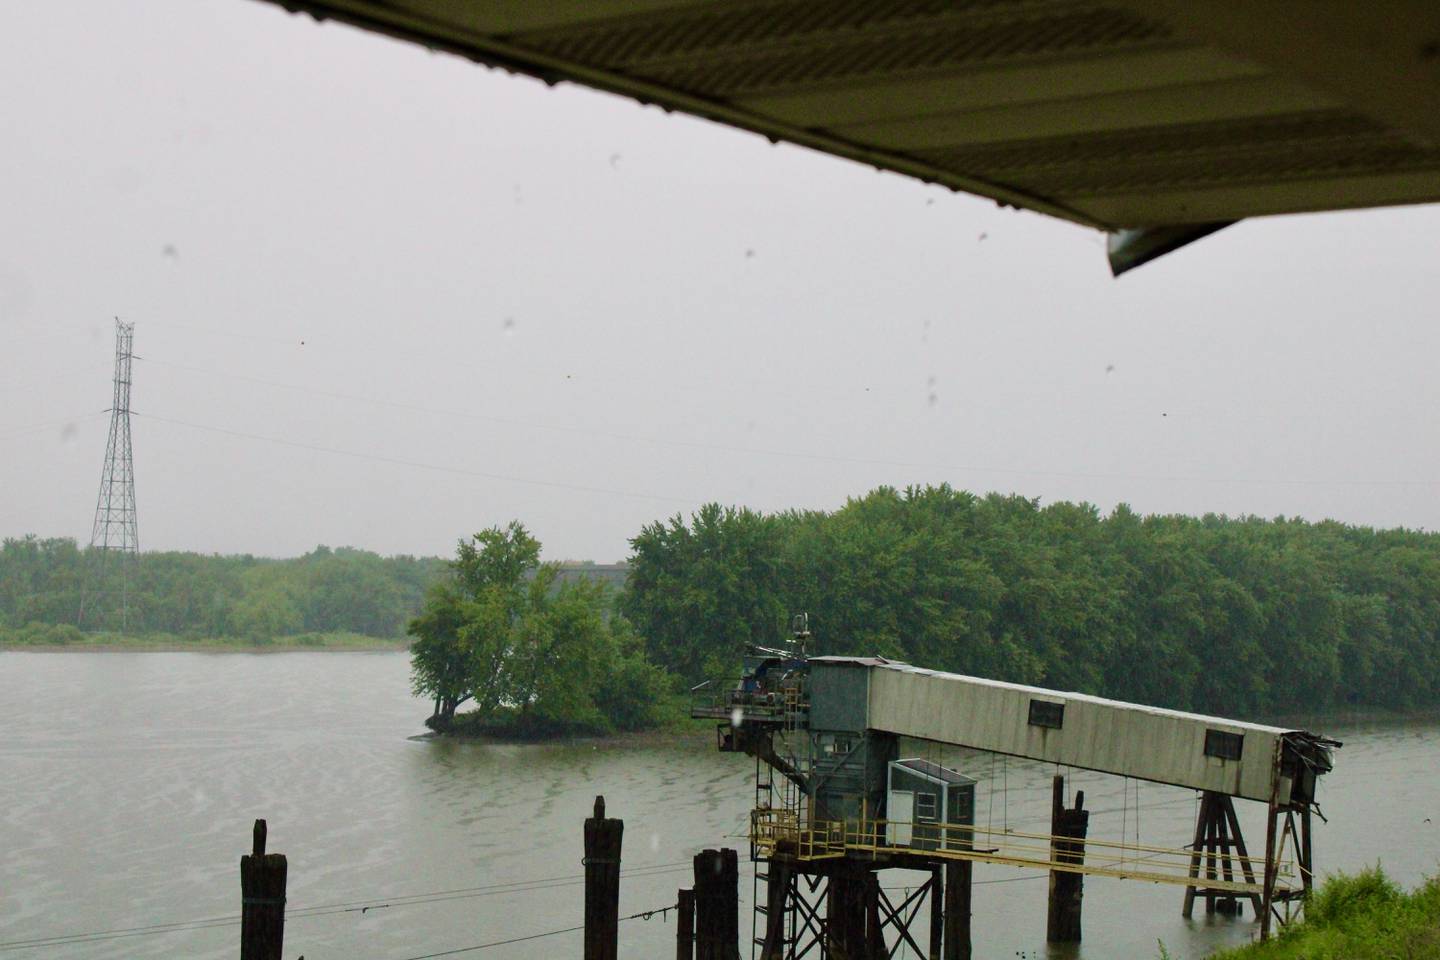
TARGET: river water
(129,781)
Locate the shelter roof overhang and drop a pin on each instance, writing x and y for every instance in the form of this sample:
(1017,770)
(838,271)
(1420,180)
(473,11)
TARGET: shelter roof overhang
(1125,115)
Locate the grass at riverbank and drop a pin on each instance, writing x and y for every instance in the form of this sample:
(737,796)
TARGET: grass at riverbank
(1364,916)
(514,726)
(40,638)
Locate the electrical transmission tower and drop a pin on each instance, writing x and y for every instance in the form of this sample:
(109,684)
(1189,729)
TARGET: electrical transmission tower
(114,541)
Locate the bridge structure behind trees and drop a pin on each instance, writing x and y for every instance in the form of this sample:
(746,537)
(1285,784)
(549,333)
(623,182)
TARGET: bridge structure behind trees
(836,804)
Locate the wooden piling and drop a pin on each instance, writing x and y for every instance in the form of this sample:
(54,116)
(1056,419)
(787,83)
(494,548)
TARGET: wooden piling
(262,900)
(778,883)
(847,912)
(685,929)
(874,930)
(1267,893)
(602,884)
(1307,852)
(1068,828)
(937,912)
(717,905)
(957,909)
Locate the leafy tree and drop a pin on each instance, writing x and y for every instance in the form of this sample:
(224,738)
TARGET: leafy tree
(532,653)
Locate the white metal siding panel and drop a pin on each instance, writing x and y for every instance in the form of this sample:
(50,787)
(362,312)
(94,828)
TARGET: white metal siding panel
(1148,743)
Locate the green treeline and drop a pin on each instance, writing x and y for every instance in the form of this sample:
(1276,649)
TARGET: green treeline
(193,596)
(1239,616)
(1242,616)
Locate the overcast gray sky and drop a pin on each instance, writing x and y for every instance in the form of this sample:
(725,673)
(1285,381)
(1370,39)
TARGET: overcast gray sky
(385,298)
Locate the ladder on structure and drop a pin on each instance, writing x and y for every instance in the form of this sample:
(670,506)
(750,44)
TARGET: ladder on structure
(780,796)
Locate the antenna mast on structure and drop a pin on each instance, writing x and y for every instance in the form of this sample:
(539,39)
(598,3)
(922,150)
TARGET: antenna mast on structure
(114,541)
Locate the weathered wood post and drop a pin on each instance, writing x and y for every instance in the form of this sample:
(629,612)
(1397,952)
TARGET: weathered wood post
(874,929)
(685,929)
(1067,890)
(262,900)
(779,879)
(717,905)
(937,911)
(730,905)
(846,912)
(1307,852)
(957,909)
(602,884)
(1267,893)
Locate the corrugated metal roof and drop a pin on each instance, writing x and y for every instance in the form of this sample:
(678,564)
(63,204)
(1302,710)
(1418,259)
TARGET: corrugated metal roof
(1112,113)
(1092,733)
(854,661)
(1238,726)
(933,770)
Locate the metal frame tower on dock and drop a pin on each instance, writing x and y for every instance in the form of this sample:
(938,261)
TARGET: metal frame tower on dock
(114,540)
(838,803)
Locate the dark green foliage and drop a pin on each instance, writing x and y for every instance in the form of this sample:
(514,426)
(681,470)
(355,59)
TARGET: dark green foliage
(1364,916)
(536,657)
(188,595)
(1234,615)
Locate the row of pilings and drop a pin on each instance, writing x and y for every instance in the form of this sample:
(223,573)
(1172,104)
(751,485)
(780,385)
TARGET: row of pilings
(708,925)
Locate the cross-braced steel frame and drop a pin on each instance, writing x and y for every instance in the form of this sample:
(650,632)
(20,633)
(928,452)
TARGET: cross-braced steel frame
(114,539)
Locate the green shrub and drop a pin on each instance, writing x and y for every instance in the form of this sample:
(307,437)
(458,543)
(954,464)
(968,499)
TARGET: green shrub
(1345,896)
(1364,916)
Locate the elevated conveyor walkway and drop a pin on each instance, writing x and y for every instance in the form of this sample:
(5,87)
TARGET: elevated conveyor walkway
(778,834)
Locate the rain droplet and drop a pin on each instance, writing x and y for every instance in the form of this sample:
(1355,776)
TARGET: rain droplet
(737,717)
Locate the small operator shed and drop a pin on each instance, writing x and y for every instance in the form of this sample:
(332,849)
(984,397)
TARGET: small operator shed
(922,800)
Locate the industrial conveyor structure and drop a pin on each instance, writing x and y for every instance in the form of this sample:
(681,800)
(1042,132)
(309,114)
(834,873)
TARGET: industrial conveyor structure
(836,802)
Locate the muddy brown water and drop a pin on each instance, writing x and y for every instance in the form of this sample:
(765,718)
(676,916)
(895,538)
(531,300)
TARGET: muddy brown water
(129,781)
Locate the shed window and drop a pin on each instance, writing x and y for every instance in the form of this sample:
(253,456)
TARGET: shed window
(1045,713)
(925,806)
(1226,746)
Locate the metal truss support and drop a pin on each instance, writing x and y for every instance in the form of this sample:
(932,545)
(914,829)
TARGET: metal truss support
(842,912)
(1220,847)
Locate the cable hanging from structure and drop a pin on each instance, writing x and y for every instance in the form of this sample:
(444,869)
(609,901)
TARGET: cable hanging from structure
(643,915)
(332,909)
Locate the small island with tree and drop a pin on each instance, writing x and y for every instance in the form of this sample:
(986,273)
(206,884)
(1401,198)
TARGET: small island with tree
(530,655)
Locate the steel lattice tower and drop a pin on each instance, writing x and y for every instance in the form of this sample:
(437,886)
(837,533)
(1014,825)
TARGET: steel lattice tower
(114,540)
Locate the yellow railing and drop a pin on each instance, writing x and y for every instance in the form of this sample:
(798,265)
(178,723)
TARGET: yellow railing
(786,833)
(783,832)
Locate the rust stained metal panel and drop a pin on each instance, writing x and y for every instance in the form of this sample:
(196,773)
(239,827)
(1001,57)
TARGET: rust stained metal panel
(1126,739)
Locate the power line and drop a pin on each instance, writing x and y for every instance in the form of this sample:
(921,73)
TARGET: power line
(532,425)
(66,421)
(419,465)
(800,454)
(332,909)
(643,915)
